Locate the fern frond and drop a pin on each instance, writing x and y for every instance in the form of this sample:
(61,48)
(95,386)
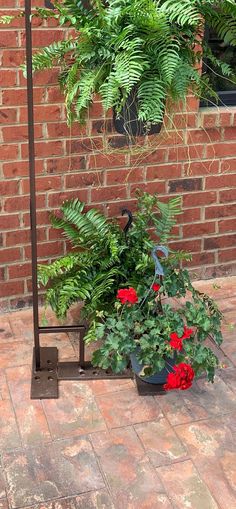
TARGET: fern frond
(151,96)
(167,219)
(52,54)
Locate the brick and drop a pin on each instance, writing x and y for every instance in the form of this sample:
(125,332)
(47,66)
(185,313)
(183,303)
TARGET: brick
(50,249)
(13,58)
(18,96)
(192,103)
(56,199)
(61,130)
(220,181)
(102,126)
(227,225)
(221,241)
(7,115)
(201,136)
(228,165)
(198,199)
(171,138)
(198,229)
(164,171)
(2,274)
(210,120)
(189,215)
(41,38)
(150,187)
(9,187)
(84,179)
(124,176)
(9,288)
(24,269)
(54,95)
(195,168)
(185,153)
(9,152)
(10,255)
(17,237)
(184,120)
(20,133)
(227,255)
(221,150)
(8,78)
(20,203)
(187,184)
(8,221)
(8,38)
(225,119)
(106,161)
(44,149)
(111,193)
(199,259)
(220,211)
(187,245)
(20,168)
(43,184)
(227,196)
(62,165)
(150,157)
(115,209)
(42,113)
(96,110)
(230,133)
(84,145)
(42,218)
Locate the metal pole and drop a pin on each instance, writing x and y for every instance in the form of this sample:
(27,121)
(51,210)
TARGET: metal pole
(32,180)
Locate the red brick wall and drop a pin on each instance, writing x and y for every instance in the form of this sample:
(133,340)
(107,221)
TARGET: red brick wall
(195,158)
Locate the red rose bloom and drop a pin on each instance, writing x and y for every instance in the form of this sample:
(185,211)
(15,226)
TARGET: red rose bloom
(127,295)
(181,379)
(156,287)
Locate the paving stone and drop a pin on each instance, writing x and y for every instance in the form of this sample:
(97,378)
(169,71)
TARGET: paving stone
(107,386)
(132,479)
(127,407)
(96,500)
(30,415)
(6,333)
(2,485)
(160,442)
(229,377)
(201,401)
(60,469)
(75,412)
(212,445)
(4,504)
(4,391)
(185,488)
(15,353)
(9,436)
(62,342)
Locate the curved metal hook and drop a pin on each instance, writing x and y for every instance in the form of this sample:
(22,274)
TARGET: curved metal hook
(130,219)
(158,267)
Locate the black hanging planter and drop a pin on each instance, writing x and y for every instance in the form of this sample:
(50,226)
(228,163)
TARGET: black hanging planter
(126,122)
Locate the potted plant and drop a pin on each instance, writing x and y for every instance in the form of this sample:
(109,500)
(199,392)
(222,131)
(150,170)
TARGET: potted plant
(136,54)
(165,338)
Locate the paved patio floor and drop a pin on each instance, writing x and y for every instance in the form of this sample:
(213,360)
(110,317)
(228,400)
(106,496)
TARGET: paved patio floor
(101,446)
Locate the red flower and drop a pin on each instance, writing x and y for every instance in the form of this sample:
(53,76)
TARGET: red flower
(156,287)
(181,379)
(176,342)
(127,295)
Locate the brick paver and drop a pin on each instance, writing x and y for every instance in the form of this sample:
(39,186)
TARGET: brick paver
(101,446)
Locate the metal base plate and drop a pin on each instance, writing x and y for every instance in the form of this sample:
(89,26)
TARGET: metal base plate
(73,371)
(146,389)
(44,383)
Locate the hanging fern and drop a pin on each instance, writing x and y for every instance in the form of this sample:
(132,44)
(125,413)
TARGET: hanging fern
(124,46)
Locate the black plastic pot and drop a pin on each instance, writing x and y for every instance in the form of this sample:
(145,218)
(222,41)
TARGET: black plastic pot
(127,121)
(158,378)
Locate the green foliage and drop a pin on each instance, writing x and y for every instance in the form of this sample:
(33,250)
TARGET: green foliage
(141,47)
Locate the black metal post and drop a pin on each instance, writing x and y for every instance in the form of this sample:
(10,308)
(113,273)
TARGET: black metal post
(32,181)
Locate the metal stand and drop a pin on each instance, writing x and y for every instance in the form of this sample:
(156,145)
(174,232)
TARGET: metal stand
(46,370)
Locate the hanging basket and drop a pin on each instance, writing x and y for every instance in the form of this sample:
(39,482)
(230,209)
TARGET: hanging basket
(126,122)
